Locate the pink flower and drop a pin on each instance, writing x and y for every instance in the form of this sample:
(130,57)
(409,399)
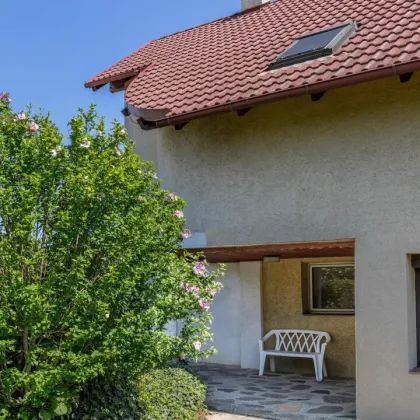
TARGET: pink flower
(188,287)
(181,284)
(195,290)
(172,196)
(179,214)
(205,304)
(33,127)
(210,291)
(199,268)
(4,96)
(197,345)
(21,116)
(186,234)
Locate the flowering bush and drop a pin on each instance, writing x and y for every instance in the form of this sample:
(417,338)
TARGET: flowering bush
(89,268)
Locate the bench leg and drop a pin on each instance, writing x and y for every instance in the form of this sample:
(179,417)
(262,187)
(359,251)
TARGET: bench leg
(324,369)
(316,368)
(262,363)
(319,368)
(272,364)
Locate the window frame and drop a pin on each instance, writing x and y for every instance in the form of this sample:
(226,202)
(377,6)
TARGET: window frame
(318,311)
(346,32)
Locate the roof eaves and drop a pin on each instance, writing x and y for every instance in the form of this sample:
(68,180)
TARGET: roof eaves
(257,252)
(119,76)
(380,73)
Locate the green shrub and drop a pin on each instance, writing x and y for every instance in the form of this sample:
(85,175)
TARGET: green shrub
(103,399)
(89,268)
(171,393)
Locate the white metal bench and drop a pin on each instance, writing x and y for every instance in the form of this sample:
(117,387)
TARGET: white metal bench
(297,343)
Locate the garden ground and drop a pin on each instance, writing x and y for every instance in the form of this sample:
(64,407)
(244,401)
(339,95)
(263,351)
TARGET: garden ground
(276,396)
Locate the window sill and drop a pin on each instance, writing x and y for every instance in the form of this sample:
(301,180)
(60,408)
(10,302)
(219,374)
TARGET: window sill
(328,314)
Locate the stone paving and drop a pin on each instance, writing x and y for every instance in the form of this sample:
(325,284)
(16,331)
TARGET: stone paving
(277,396)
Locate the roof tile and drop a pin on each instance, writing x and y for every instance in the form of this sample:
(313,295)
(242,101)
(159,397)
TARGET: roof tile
(226,60)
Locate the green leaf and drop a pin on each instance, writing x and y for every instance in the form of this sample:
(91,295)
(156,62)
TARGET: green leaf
(45,415)
(59,408)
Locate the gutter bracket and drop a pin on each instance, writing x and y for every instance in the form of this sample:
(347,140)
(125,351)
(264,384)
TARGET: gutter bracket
(180,126)
(405,77)
(317,96)
(97,87)
(243,111)
(146,125)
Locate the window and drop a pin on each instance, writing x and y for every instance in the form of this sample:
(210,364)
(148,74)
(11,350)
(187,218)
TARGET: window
(416,265)
(330,288)
(314,45)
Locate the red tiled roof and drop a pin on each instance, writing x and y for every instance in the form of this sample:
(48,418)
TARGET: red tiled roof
(222,65)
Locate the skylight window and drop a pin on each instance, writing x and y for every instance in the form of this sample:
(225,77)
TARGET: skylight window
(315,45)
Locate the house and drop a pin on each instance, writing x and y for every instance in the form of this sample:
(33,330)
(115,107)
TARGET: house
(292,129)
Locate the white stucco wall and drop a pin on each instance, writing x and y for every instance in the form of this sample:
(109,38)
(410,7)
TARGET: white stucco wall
(237,323)
(344,167)
(226,326)
(251,313)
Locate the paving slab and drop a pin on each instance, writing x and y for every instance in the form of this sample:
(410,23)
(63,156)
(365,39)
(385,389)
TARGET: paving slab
(241,394)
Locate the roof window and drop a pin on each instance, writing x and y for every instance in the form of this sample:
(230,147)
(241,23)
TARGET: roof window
(314,45)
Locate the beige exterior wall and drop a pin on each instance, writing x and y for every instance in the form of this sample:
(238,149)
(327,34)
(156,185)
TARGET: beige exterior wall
(347,166)
(282,308)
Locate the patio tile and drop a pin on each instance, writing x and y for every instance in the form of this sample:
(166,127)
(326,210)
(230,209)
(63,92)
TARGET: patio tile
(259,412)
(226,416)
(290,408)
(338,399)
(268,395)
(300,387)
(222,401)
(327,409)
(278,396)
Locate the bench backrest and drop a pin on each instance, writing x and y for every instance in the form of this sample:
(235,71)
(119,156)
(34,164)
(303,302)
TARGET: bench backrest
(301,341)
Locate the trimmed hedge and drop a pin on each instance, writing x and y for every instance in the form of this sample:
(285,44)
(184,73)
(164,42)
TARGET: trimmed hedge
(101,400)
(171,393)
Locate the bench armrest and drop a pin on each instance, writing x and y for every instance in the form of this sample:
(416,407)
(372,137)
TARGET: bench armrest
(264,339)
(324,344)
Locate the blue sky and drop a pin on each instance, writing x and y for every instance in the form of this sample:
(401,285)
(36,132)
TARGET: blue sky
(49,48)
